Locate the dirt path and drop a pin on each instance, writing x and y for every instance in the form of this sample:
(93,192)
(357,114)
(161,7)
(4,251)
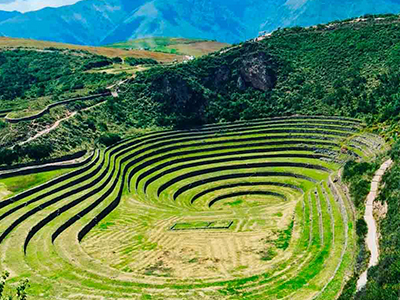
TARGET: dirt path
(114,93)
(43,132)
(372,236)
(56,124)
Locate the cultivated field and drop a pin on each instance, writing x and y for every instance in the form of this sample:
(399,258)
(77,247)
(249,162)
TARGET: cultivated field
(6,42)
(195,47)
(249,210)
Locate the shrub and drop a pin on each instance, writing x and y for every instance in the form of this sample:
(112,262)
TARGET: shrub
(76,105)
(19,293)
(361,228)
(8,156)
(395,152)
(109,139)
(358,176)
(353,169)
(384,279)
(97,62)
(268,254)
(38,151)
(91,123)
(117,60)
(103,126)
(359,190)
(133,61)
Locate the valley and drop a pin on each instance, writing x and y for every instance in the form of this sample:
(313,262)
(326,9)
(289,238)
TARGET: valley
(177,168)
(132,193)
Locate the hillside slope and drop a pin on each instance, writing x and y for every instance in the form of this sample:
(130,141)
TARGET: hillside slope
(94,22)
(347,68)
(5,15)
(342,70)
(85,22)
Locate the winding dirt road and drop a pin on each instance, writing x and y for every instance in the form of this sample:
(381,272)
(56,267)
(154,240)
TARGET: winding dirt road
(372,236)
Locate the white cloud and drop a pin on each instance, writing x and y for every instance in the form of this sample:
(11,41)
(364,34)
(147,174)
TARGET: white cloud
(29,5)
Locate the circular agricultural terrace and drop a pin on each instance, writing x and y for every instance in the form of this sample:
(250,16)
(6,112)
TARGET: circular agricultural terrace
(242,210)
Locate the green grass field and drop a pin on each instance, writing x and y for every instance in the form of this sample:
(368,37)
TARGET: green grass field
(180,46)
(248,210)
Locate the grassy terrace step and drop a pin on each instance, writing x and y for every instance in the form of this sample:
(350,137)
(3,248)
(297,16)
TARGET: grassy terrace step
(215,152)
(242,184)
(245,193)
(103,229)
(69,161)
(325,119)
(233,158)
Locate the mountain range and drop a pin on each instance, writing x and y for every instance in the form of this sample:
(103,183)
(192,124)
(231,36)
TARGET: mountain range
(100,22)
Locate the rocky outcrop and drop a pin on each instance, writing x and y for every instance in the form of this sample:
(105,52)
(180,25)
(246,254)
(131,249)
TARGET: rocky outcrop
(182,93)
(222,75)
(255,72)
(183,100)
(178,89)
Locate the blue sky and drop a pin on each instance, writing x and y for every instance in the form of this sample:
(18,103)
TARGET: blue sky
(29,5)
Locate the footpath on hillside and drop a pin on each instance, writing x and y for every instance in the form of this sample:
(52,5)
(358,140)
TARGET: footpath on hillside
(57,123)
(372,235)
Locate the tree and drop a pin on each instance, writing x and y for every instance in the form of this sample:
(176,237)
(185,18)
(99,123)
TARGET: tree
(109,139)
(7,156)
(38,151)
(395,152)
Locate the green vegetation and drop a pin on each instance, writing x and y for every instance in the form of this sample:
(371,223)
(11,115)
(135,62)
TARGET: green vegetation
(30,80)
(293,71)
(284,237)
(336,69)
(107,139)
(181,46)
(202,225)
(192,225)
(104,227)
(384,279)
(268,254)
(132,61)
(234,203)
(358,176)
(18,184)
(18,294)
(120,206)
(34,151)
(31,74)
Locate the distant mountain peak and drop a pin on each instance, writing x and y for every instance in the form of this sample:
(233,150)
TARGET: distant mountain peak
(5,15)
(94,22)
